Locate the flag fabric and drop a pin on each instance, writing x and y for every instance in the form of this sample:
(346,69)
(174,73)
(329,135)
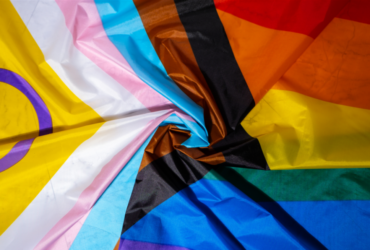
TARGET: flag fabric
(184,124)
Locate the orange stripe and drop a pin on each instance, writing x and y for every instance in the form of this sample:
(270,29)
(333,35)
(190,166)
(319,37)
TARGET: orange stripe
(335,68)
(117,245)
(263,54)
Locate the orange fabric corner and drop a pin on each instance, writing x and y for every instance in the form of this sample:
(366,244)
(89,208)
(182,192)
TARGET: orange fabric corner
(262,54)
(335,68)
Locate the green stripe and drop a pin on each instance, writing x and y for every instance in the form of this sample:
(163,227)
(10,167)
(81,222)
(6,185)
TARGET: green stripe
(298,185)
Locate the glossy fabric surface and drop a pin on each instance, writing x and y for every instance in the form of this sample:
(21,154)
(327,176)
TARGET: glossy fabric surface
(184,124)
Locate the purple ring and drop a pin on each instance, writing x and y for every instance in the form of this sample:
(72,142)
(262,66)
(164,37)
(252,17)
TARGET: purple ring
(21,148)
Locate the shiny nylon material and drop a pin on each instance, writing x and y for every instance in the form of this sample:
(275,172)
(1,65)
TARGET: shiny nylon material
(182,124)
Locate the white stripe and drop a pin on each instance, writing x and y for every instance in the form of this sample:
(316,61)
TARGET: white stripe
(61,193)
(91,84)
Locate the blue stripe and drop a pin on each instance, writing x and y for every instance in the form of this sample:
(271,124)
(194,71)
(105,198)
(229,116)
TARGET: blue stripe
(336,224)
(215,215)
(125,29)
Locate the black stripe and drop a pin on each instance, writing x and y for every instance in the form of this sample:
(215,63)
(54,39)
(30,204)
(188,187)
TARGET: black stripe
(175,171)
(241,150)
(160,180)
(216,60)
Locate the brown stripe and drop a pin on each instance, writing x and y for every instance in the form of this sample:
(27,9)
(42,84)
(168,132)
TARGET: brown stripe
(164,141)
(168,138)
(169,38)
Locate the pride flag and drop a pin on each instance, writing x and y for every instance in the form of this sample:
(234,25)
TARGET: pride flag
(184,124)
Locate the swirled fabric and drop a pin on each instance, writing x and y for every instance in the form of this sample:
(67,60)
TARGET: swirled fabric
(184,124)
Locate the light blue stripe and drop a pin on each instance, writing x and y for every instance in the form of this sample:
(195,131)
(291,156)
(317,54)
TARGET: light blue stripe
(103,226)
(125,29)
(192,127)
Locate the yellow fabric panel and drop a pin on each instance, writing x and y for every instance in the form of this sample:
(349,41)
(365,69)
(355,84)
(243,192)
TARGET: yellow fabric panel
(18,117)
(21,54)
(5,148)
(263,54)
(21,183)
(297,131)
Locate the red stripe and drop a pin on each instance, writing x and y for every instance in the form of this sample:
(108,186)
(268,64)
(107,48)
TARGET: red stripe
(357,10)
(308,17)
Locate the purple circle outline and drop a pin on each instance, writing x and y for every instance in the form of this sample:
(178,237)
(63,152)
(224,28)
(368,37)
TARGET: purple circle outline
(21,148)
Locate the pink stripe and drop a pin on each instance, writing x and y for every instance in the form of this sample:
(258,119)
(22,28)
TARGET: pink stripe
(83,21)
(182,115)
(70,235)
(177,111)
(54,239)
